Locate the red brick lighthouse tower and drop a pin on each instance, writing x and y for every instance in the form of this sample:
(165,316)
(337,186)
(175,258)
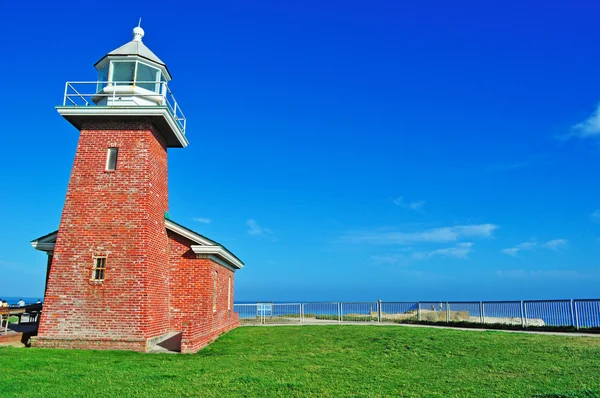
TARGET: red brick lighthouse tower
(121,274)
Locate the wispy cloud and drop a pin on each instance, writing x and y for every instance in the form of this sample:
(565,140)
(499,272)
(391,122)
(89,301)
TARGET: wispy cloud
(531,245)
(530,161)
(256,230)
(412,205)
(595,216)
(459,251)
(434,235)
(511,251)
(203,220)
(519,273)
(556,244)
(590,127)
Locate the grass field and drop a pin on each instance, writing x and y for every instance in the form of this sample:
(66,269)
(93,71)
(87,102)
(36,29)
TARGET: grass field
(320,361)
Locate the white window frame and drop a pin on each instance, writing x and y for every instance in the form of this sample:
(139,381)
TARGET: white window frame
(96,269)
(215,284)
(108,157)
(229,294)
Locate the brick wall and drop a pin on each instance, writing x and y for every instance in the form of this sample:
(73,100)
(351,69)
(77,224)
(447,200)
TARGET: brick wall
(119,214)
(191,304)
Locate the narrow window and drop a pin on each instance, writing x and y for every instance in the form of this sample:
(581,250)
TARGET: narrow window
(111,158)
(229,294)
(215,277)
(99,268)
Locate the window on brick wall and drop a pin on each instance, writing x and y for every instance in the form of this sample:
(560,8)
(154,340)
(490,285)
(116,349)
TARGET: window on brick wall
(229,294)
(111,158)
(99,268)
(215,277)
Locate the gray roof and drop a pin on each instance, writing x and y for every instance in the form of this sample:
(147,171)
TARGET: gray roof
(136,48)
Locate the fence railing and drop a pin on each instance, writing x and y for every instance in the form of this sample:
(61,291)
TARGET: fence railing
(117,93)
(579,314)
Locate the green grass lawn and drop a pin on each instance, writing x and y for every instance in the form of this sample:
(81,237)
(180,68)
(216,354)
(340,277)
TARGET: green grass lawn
(320,361)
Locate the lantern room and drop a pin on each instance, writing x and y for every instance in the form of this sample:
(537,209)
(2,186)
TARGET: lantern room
(132,83)
(131,75)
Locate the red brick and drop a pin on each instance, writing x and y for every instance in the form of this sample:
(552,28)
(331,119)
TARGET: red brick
(154,284)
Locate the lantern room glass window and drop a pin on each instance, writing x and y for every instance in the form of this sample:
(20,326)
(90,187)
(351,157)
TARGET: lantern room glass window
(131,73)
(123,72)
(102,77)
(146,75)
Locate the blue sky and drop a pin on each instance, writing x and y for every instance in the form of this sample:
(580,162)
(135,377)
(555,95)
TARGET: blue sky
(344,150)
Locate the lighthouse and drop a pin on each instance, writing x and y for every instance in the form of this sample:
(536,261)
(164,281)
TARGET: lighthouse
(121,274)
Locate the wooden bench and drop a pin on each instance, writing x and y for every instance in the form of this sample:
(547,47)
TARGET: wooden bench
(32,311)
(4,317)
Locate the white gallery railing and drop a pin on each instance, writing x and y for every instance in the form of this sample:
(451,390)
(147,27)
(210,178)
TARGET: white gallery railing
(110,94)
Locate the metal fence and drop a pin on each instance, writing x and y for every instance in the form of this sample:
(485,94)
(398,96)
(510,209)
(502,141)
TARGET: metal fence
(579,314)
(111,93)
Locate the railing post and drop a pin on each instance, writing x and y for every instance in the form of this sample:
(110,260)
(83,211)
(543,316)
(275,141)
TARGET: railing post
(447,312)
(571,313)
(301,312)
(418,310)
(379,311)
(66,91)
(522,313)
(339,312)
(481,312)
(576,315)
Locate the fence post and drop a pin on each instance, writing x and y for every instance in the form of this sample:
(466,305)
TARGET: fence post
(418,310)
(524,313)
(576,315)
(481,312)
(379,311)
(301,312)
(339,312)
(447,312)
(522,317)
(571,312)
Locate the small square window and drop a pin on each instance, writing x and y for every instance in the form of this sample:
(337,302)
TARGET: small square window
(99,268)
(111,158)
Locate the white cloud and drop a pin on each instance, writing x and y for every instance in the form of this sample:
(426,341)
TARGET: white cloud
(590,127)
(415,205)
(511,251)
(519,273)
(434,235)
(461,250)
(555,245)
(530,245)
(595,216)
(257,230)
(203,220)
(391,259)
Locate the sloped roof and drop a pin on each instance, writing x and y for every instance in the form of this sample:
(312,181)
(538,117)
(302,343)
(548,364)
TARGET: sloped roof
(203,241)
(136,47)
(46,243)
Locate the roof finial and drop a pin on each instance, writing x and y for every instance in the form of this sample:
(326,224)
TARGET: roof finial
(138,32)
